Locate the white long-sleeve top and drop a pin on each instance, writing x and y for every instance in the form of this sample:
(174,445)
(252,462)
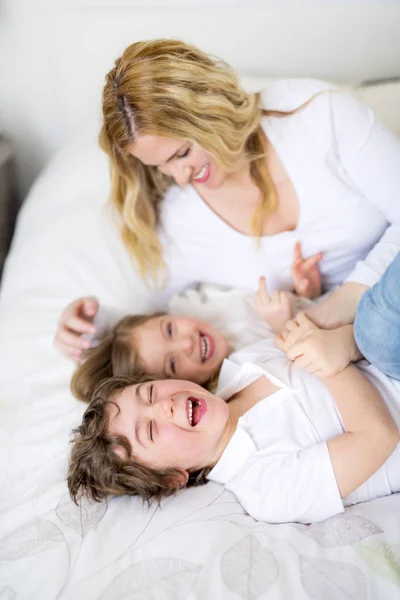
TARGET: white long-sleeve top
(277,462)
(345,168)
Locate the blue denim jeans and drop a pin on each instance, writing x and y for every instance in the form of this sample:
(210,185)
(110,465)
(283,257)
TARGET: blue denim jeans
(377,323)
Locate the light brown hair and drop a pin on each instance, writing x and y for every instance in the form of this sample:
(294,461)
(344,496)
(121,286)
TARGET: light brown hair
(97,470)
(114,355)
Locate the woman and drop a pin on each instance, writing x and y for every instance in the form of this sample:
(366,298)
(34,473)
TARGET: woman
(200,168)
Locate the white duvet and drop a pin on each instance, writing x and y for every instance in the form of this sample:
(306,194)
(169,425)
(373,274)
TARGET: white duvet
(198,545)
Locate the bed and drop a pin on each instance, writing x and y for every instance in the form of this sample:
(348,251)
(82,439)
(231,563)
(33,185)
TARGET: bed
(199,545)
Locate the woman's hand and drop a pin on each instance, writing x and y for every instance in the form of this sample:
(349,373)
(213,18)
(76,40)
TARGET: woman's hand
(75,321)
(306,274)
(274,309)
(319,351)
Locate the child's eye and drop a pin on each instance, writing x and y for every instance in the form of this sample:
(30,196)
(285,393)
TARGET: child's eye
(151,430)
(169,330)
(151,394)
(172,366)
(184,154)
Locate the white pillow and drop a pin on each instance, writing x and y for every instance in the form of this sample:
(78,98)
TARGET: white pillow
(383,98)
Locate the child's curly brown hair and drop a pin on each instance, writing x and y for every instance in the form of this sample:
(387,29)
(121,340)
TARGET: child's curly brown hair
(97,470)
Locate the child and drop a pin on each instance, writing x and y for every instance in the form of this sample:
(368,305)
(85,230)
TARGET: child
(289,445)
(168,345)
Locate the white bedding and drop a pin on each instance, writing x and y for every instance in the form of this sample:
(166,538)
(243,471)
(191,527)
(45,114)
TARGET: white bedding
(200,544)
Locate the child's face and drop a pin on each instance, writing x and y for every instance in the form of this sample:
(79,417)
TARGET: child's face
(171,423)
(179,347)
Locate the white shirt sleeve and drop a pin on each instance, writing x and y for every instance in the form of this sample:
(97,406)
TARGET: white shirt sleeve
(298,487)
(370,155)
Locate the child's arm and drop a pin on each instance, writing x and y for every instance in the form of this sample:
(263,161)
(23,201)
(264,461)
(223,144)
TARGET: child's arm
(320,351)
(371,433)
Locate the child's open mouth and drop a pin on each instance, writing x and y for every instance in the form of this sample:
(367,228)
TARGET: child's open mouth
(196,408)
(207,346)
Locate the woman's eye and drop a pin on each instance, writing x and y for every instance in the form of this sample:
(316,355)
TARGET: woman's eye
(184,154)
(169,330)
(151,394)
(172,365)
(151,430)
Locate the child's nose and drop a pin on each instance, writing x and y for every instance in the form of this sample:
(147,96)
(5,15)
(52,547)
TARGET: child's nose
(166,405)
(186,345)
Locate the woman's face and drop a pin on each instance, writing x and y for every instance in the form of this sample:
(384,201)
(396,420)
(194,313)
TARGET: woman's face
(171,424)
(184,161)
(180,347)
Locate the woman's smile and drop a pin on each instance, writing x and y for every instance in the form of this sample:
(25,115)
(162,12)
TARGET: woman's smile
(203,174)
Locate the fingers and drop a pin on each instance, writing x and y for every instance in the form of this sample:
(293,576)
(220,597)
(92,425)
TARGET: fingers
(262,290)
(90,306)
(279,342)
(292,325)
(72,340)
(68,351)
(303,286)
(303,362)
(310,262)
(74,323)
(295,351)
(297,255)
(302,319)
(77,325)
(85,308)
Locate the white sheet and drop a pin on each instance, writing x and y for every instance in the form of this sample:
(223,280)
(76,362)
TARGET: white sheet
(198,545)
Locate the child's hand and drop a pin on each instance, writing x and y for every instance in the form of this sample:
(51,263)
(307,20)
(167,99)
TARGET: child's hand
(320,351)
(306,274)
(76,320)
(275,310)
(294,330)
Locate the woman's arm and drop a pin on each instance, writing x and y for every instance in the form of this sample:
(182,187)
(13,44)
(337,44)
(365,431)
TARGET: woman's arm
(370,155)
(371,433)
(340,307)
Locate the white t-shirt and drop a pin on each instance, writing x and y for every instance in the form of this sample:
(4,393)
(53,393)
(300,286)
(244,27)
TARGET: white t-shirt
(277,462)
(345,168)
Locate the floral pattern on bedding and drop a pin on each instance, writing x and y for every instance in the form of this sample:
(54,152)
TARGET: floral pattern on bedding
(202,545)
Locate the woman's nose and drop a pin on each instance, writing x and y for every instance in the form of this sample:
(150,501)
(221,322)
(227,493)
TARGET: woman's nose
(181,174)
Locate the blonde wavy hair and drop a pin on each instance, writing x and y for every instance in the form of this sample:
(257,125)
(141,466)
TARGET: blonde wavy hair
(171,89)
